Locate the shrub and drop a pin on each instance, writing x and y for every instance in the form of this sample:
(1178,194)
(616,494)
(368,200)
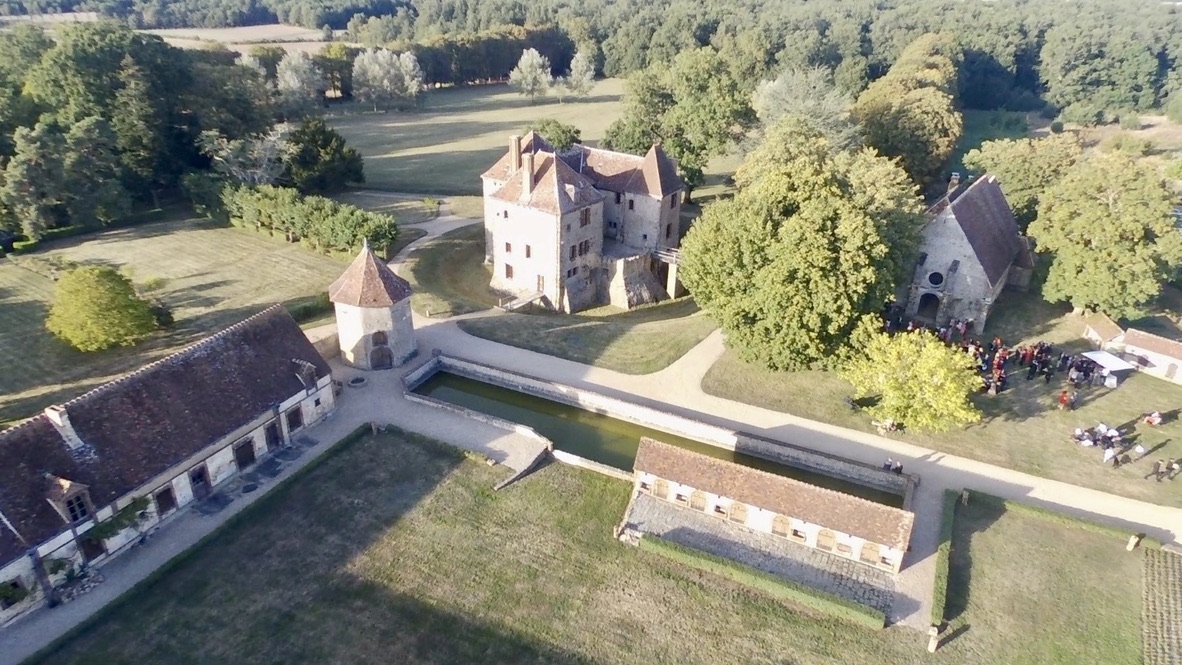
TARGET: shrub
(162,314)
(65,232)
(1057,127)
(204,190)
(320,223)
(1173,108)
(1084,114)
(95,308)
(943,552)
(1128,144)
(309,307)
(1129,120)
(153,284)
(770,584)
(1174,170)
(24,246)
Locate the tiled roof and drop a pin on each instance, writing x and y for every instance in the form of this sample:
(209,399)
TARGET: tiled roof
(654,174)
(984,215)
(1105,327)
(369,282)
(503,169)
(875,522)
(140,425)
(1153,343)
(557,189)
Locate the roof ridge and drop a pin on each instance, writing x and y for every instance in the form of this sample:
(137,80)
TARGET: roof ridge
(777,477)
(27,422)
(202,343)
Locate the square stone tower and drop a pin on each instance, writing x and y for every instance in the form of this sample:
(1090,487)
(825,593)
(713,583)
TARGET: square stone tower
(373,314)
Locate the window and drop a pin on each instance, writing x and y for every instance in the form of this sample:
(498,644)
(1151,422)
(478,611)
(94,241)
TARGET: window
(572,272)
(165,501)
(681,498)
(506,214)
(508,271)
(295,419)
(698,501)
(316,402)
(199,482)
(644,486)
(573,250)
(508,248)
(584,247)
(780,525)
(673,202)
(936,279)
(668,231)
(842,548)
(738,512)
(585,217)
(719,510)
(77,508)
(798,535)
(644,236)
(611,225)
(271,433)
(568,227)
(617,198)
(825,540)
(379,338)
(244,454)
(886,561)
(631,204)
(527,251)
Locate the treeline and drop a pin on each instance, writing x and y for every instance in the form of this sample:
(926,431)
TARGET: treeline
(226,13)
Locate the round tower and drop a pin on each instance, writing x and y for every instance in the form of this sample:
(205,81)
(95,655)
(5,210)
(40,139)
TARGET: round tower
(373,314)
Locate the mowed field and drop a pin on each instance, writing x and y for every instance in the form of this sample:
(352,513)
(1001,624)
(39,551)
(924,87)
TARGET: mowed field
(1045,591)
(459,133)
(1021,428)
(212,276)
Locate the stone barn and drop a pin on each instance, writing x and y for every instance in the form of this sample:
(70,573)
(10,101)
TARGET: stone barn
(869,533)
(375,327)
(971,249)
(145,446)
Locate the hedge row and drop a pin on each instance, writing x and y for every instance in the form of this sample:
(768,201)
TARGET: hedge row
(134,219)
(308,308)
(775,586)
(1061,518)
(943,552)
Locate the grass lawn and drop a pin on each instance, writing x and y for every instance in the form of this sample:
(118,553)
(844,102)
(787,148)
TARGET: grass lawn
(640,341)
(449,276)
(1021,428)
(212,277)
(403,210)
(466,206)
(459,132)
(397,550)
(1047,593)
(982,126)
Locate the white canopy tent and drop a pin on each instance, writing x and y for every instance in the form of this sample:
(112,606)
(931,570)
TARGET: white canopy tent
(1117,368)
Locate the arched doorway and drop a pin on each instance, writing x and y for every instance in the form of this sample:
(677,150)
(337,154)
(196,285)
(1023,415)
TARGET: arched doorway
(698,500)
(661,489)
(738,513)
(381,358)
(826,539)
(869,554)
(929,306)
(781,526)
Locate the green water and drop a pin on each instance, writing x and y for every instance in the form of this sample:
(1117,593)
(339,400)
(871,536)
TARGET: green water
(605,439)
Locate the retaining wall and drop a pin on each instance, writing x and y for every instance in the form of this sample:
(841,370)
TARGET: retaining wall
(743,442)
(575,460)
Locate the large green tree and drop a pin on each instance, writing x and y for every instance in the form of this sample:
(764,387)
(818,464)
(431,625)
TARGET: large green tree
(96,308)
(558,134)
(1109,229)
(912,113)
(809,94)
(796,265)
(532,75)
(1026,168)
(695,108)
(319,161)
(34,189)
(139,127)
(94,193)
(919,381)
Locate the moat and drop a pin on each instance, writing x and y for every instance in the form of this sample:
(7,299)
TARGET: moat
(605,439)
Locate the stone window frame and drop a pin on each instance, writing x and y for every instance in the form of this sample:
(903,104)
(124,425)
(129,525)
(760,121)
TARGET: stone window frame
(508,248)
(296,410)
(631,204)
(585,217)
(508,271)
(798,535)
(681,499)
(160,510)
(78,507)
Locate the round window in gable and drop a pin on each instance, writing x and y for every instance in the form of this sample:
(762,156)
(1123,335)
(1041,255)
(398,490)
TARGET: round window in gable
(935,279)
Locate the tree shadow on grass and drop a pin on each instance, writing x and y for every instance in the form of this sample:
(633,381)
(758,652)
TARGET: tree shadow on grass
(971,519)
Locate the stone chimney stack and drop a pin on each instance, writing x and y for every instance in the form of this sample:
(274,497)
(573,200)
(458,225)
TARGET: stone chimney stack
(60,420)
(953,181)
(515,151)
(527,175)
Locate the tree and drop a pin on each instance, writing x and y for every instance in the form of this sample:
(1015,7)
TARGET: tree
(96,308)
(300,85)
(532,75)
(695,108)
(809,94)
(268,57)
(557,134)
(319,161)
(138,128)
(1109,228)
(377,78)
(34,189)
(579,80)
(91,173)
(911,113)
(254,160)
(795,267)
(1026,168)
(919,381)
(336,64)
(412,76)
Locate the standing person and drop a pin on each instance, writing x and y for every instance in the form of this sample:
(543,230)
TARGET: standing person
(1109,454)
(1032,371)
(1064,400)
(1156,472)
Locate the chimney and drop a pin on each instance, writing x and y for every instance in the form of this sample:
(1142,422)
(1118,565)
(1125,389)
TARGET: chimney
(60,420)
(954,180)
(527,175)
(515,151)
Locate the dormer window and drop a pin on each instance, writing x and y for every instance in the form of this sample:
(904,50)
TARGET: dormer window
(77,508)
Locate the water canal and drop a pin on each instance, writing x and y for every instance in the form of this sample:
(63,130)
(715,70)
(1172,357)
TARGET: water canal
(605,439)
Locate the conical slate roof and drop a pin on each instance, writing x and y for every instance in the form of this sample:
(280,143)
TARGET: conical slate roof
(369,282)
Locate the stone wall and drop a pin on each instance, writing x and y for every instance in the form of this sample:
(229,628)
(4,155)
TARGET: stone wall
(584,463)
(824,463)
